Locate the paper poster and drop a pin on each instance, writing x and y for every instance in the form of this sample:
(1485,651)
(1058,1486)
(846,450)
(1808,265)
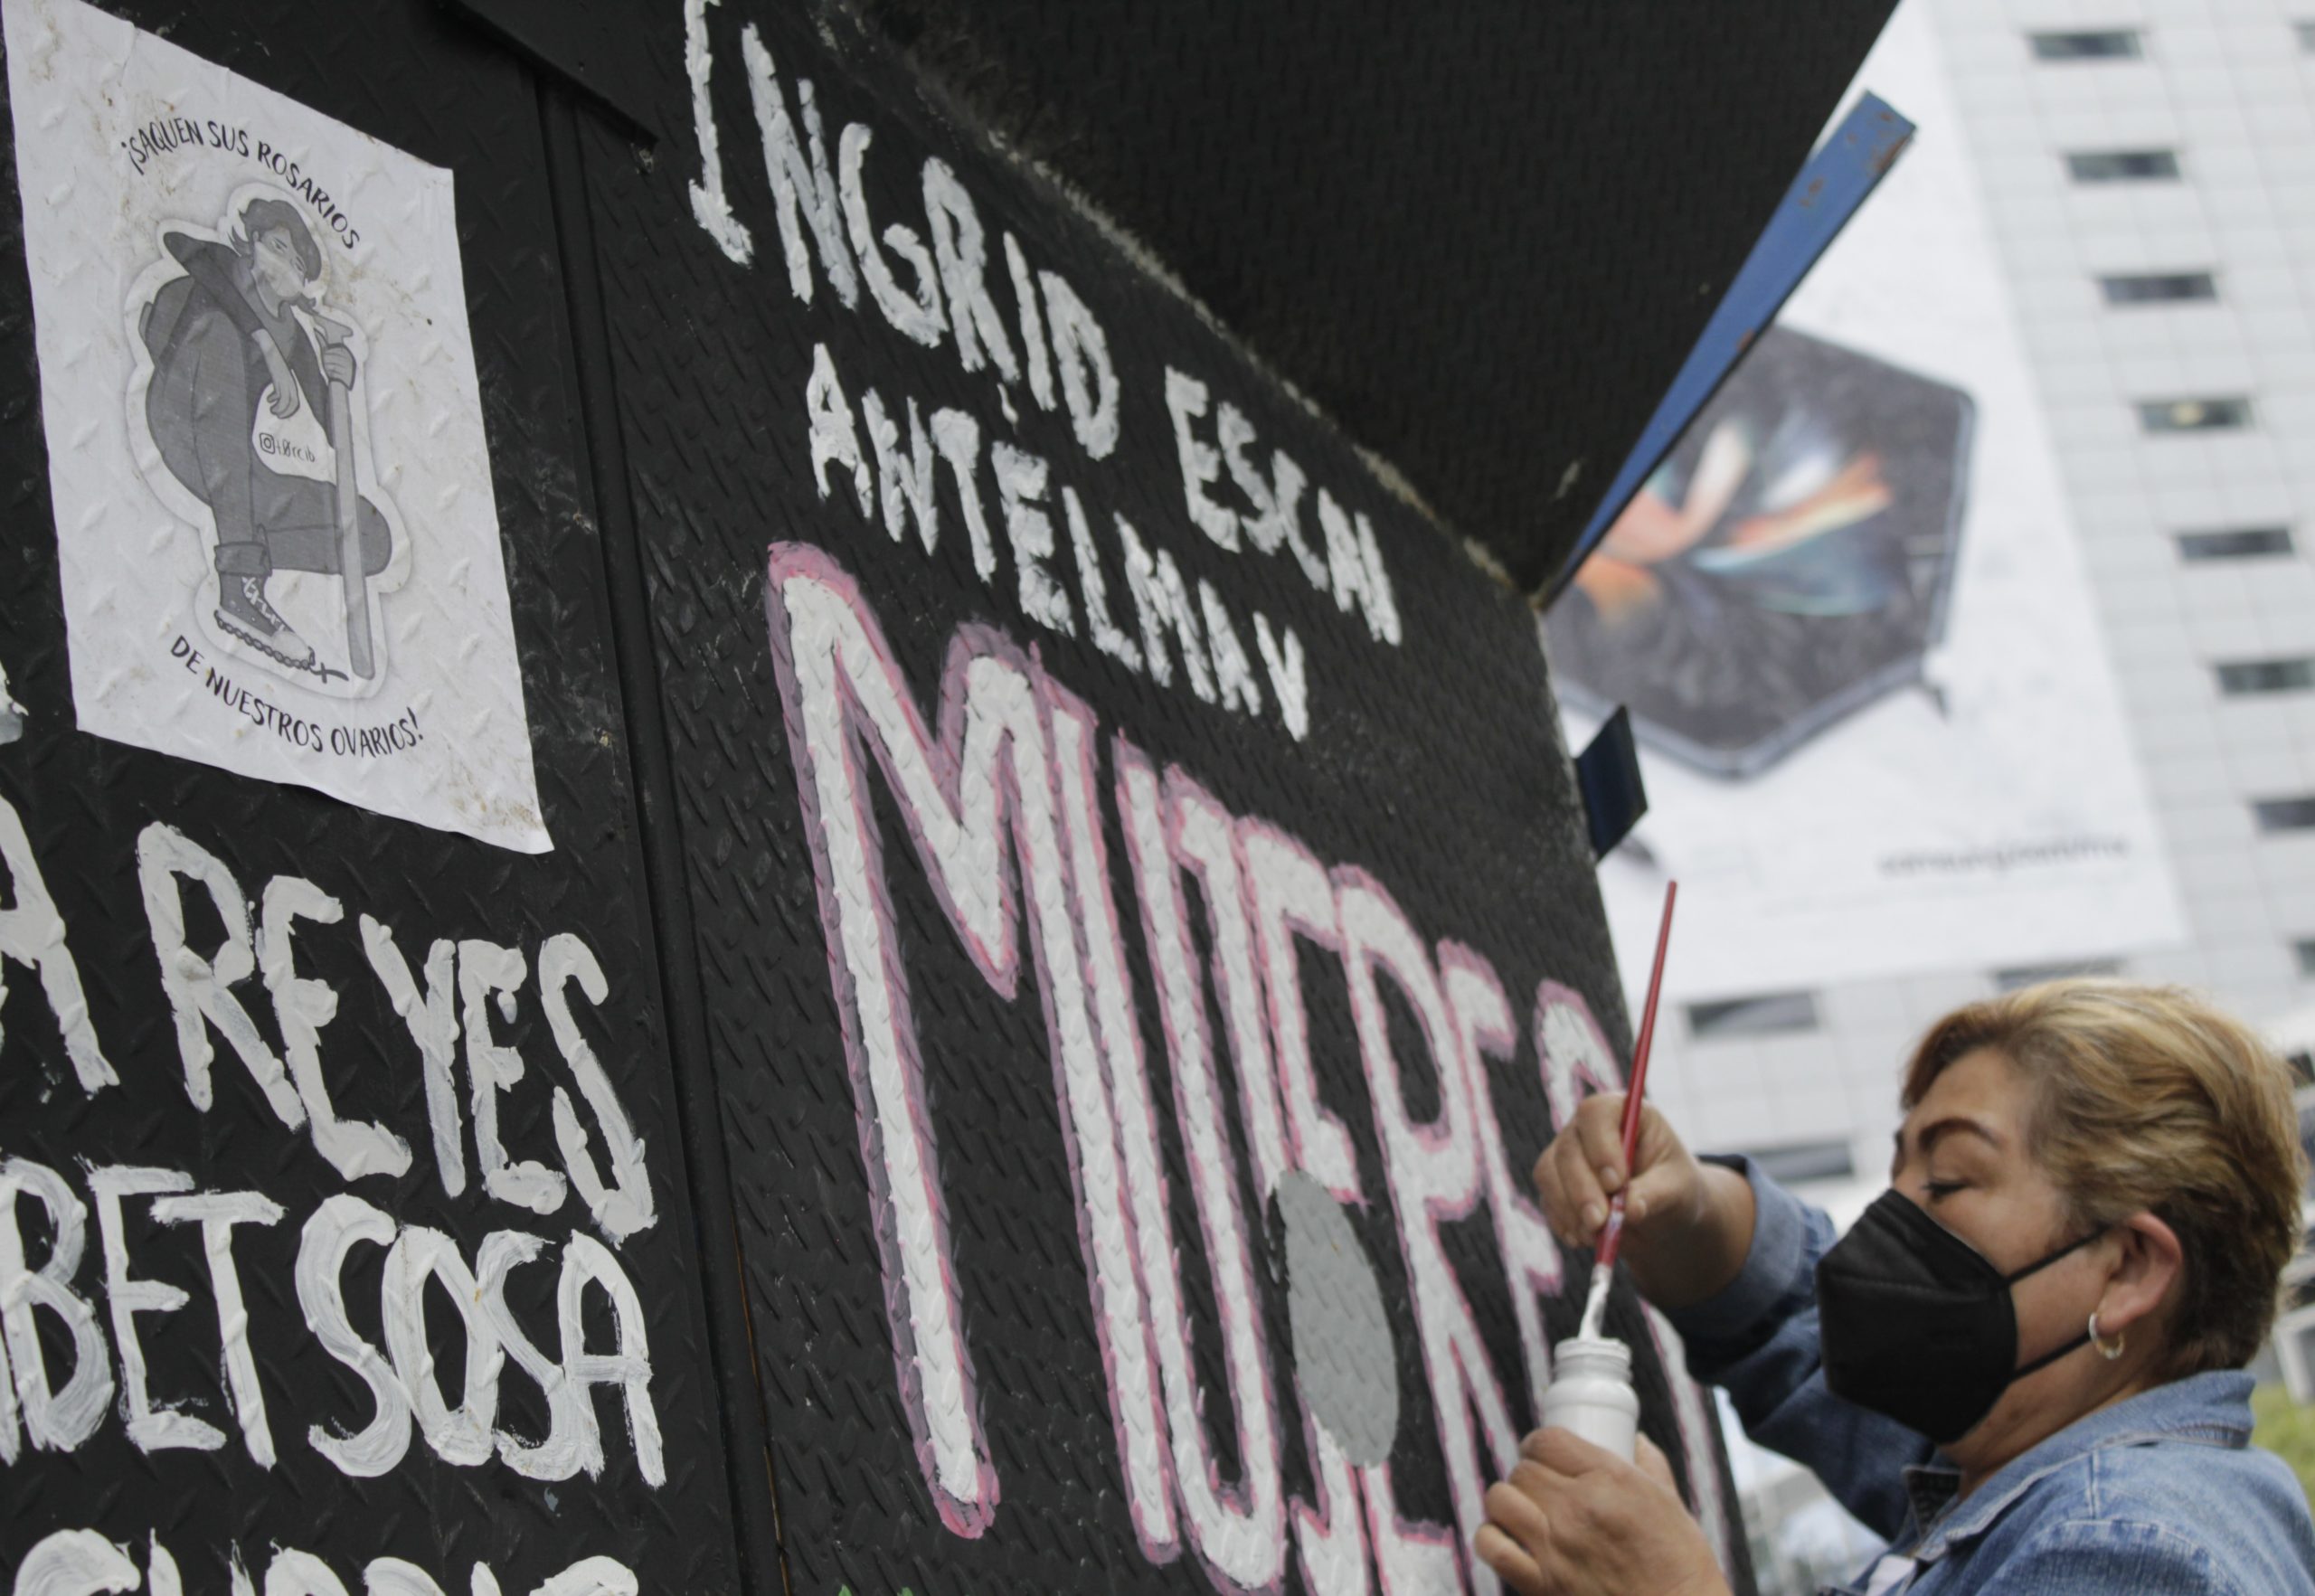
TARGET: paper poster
(272,491)
(1880,731)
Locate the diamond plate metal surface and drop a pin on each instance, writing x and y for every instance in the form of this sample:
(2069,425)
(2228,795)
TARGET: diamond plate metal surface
(645,397)
(1431,765)
(401,73)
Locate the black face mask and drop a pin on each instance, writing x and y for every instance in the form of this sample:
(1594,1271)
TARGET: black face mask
(1917,1325)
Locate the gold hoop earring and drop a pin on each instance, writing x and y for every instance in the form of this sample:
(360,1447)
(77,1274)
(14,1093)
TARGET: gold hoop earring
(2109,1352)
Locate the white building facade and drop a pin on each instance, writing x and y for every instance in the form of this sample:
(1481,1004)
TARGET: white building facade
(2147,172)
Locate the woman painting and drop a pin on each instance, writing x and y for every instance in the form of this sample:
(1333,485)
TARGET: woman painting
(2023,1364)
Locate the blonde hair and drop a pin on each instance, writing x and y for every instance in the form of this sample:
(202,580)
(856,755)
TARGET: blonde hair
(2147,1098)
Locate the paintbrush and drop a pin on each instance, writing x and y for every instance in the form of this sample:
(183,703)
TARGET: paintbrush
(1604,1266)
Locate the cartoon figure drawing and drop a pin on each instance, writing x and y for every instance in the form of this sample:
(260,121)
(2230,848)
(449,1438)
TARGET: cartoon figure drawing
(227,338)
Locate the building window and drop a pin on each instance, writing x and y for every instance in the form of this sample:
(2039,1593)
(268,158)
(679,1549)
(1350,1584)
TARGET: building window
(2122,166)
(2158,288)
(2285,814)
(2106,44)
(1808,1160)
(2239,543)
(1771,1014)
(2223,414)
(2242,678)
(2034,975)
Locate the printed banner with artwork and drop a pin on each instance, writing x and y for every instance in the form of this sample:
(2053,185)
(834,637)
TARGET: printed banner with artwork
(272,490)
(1879,731)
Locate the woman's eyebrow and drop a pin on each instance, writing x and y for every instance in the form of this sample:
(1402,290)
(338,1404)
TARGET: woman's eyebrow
(1931,1134)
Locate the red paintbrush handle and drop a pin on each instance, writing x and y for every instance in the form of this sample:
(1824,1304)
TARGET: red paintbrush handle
(1613,1237)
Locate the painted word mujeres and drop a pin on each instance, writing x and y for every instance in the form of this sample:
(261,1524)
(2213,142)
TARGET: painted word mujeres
(1002,802)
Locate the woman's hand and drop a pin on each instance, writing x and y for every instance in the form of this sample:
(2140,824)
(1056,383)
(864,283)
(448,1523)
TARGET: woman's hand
(284,399)
(1574,1520)
(1688,1226)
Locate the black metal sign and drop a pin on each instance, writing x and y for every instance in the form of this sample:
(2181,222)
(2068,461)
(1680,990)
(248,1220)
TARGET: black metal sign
(1066,921)
(346,1240)
(1127,848)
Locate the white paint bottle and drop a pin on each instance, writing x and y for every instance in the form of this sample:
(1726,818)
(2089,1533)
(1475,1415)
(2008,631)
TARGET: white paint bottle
(1590,1394)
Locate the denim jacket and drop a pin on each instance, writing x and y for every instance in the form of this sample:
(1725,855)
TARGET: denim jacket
(2160,1493)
